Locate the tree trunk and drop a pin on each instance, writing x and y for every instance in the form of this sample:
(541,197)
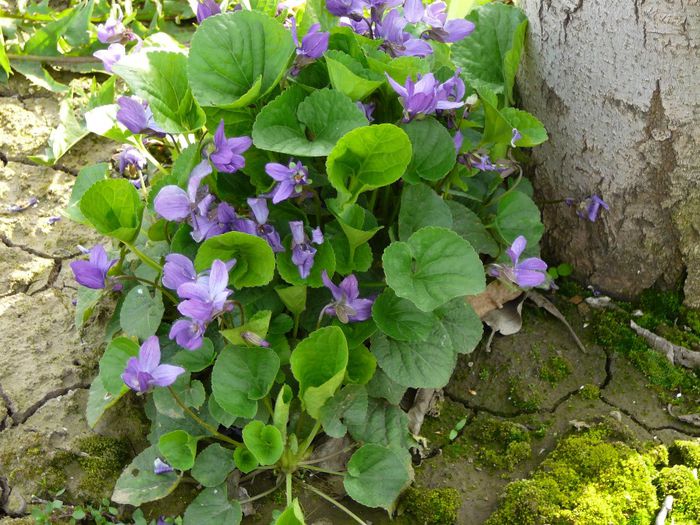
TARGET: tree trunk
(617,85)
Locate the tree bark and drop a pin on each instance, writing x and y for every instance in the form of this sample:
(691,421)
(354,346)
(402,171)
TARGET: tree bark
(617,85)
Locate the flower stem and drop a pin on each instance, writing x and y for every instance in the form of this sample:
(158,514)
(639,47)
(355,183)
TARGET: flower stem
(145,258)
(261,495)
(335,503)
(325,458)
(324,470)
(307,442)
(140,146)
(218,435)
(289,489)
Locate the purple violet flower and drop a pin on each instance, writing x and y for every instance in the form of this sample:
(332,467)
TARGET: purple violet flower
(207,296)
(131,159)
(291,179)
(528,273)
(110,56)
(175,204)
(228,155)
(313,45)
(178,270)
(483,163)
(53,219)
(144,372)
(515,138)
(413,11)
(17,208)
(416,97)
(188,333)
(207,8)
(161,467)
(136,116)
(458,140)
(302,252)
(259,226)
(93,272)
(590,207)
(398,41)
(361,26)
(451,92)
(368,109)
(444,30)
(347,305)
(112,31)
(350,8)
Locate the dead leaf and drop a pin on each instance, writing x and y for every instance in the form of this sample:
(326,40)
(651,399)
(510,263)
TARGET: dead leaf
(494,297)
(542,302)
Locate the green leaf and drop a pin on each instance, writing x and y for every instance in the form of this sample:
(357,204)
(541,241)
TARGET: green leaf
(368,158)
(36,73)
(434,153)
(318,364)
(99,401)
(263,441)
(160,78)
(350,77)
(87,176)
(258,324)
(114,208)
(531,129)
(237,58)
(467,224)
(212,506)
(382,386)
(324,260)
(142,312)
(191,393)
(349,403)
(4,61)
(420,207)
(381,423)
(280,416)
(255,261)
(66,135)
(361,365)
(139,484)
(114,361)
(241,376)
(245,460)
(213,465)
(178,448)
(292,515)
(376,475)
(198,360)
(358,224)
(432,267)
(308,126)
(462,325)
(219,414)
(400,319)
(490,55)
(518,215)
(293,297)
(398,68)
(86,302)
(417,364)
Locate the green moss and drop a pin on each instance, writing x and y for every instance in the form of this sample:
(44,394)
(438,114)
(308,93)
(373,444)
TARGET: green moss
(523,396)
(499,444)
(661,304)
(102,460)
(432,507)
(589,479)
(555,369)
(686,453)
(679,481)
(589,392)
(34,464)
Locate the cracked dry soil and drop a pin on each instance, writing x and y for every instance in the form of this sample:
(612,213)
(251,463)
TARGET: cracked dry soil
(46,365)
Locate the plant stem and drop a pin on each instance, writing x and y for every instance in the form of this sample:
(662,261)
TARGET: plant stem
(335,503)
(140,146)
(150,283)
(145,258)
(241,310)
(59,59)
(325,458)
(289,489)
(324,470)
(297,318)
(261,495)
(218,435)
(307,442)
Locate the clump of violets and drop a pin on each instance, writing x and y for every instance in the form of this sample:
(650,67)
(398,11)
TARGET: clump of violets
(131,161)
(528,273)
(145,372)
(303,252)
(291,180)
(93,272)
(427,95)
(347,305)
(258,225)
(204,297)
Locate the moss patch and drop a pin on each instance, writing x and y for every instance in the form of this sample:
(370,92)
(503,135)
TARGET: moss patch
(554,369)
(523,395)
(432,507)
(102,461)
(679,481)
(589,392)
(589,479)
(498,444)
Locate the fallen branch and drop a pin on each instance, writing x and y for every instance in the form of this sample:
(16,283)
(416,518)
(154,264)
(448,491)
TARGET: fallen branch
(690,419)
(677,355)
(542,302)
(663,513)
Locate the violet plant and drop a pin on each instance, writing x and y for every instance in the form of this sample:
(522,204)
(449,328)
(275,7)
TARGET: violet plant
(303,202)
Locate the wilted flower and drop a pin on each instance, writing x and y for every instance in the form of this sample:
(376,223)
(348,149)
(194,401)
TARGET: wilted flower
(258,226)
(161,467)
(16,208)
(228,155)
(347,305)
(207,8)
(112,31)
(131,159)
(590,207)
(303,252)
(367,108)
(515,138)
(144,372)
(136,116)
(254,339)
(110,56)
(291,178)
(530,272)
(93,272)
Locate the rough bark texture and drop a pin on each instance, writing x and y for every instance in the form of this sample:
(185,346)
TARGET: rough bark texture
(617,84)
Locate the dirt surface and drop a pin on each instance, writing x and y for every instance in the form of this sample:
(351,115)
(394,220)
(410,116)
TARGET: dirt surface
(538,380)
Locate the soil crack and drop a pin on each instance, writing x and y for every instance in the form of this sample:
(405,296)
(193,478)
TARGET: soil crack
(38,253)
(28,162)
(22,417)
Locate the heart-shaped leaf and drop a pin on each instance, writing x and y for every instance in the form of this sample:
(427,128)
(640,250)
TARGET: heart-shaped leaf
(263,441)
